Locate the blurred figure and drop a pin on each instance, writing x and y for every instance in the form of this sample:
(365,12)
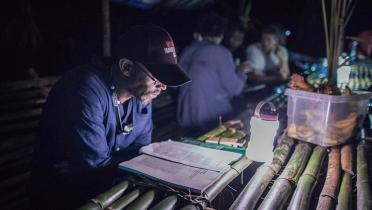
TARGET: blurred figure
(268,59)
(233,40)
(215,80)
(364,47)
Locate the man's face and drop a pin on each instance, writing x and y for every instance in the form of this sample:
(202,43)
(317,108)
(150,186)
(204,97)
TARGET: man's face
(148,87)
(152,89)
(269,42)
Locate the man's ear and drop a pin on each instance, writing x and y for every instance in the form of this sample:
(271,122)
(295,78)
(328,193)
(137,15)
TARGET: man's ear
(125,66)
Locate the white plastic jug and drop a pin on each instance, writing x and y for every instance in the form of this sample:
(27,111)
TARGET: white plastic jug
(263,131)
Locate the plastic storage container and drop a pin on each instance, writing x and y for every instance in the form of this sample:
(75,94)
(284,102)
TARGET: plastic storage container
(322,119)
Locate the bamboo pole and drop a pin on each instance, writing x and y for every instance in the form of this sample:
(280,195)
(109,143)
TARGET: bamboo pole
(166,204)
(212,192)
(106,29)
(329,191)
(252,192)
(301,196)
(108,197)
(283,186)
(347,158)
(143,202)
(364,200)
(124,201)
(344,200)
(190,207)
(90,206)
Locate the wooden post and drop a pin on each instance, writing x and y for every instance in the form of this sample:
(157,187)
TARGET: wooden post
(106,29)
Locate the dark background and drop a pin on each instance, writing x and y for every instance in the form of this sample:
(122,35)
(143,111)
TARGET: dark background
(54,36)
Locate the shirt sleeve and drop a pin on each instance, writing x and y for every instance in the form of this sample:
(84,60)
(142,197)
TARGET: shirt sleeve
(232,81)
(255,58)
(89,146)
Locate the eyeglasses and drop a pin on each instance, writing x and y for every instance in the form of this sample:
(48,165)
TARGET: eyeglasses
(142,68)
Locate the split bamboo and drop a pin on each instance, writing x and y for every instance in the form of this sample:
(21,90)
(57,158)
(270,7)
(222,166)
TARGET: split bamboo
(301,196)
(364,200)
(252,192)
(282,189)
(328,195)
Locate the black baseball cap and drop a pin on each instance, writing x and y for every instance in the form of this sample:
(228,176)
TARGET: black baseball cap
(153,47)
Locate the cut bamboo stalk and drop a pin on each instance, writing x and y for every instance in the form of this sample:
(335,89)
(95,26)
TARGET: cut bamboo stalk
(19,127)
(213,133)
(143,202)
(329,191)
(212,192)
(124,201)
(190,207)
(344,200)
(364,200)
(108,197)
(166,204)
(21,115)
(302,195)
(252,192)
(347,159)
(16,142)
(90,206)
(28,94)
(283,186)
(26,84)
(20,153)
(21,105)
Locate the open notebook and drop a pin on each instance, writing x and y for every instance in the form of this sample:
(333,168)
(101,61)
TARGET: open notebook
(183,165)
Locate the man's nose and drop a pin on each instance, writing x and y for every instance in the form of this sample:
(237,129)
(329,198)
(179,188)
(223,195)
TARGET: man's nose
(161,86)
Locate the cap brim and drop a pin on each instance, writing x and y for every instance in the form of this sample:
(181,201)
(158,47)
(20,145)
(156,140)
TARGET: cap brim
(168,74)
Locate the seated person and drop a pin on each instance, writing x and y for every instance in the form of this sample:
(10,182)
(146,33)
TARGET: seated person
(233,40)
(268,59)
(215,80)
(99,115)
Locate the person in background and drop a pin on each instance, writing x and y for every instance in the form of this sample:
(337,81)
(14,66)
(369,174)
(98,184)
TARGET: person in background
(215,78)
(233,40)
(99,115)
(268,59)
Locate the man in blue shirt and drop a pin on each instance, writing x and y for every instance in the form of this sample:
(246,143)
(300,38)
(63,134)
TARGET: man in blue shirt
(98,115)
(215,79)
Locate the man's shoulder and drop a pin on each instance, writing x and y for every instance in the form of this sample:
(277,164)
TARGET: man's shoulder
(255,47)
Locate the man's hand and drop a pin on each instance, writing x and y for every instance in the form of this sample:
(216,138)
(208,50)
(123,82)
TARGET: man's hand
(245,67)
(281,55)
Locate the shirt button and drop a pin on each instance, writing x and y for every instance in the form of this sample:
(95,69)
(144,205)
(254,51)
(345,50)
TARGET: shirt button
(117,149)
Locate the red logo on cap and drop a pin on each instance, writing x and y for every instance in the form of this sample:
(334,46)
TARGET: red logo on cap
(169,44)
(170,48)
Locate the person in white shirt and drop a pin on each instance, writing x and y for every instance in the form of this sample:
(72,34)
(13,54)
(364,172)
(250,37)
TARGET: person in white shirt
(268,59)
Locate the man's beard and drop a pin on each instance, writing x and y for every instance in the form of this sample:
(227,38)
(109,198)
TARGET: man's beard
(140,92)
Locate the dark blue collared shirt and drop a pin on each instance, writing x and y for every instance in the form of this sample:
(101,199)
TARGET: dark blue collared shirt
(79,126)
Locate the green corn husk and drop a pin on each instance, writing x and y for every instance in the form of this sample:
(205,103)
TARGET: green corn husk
(283,186)
(90,206)
(252,192)
(124,201)
(108,197)
(329,191)
(344,196)
(306,183)
(190,207)
(364,200)
(143,202)
(213,133)
(166,204)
